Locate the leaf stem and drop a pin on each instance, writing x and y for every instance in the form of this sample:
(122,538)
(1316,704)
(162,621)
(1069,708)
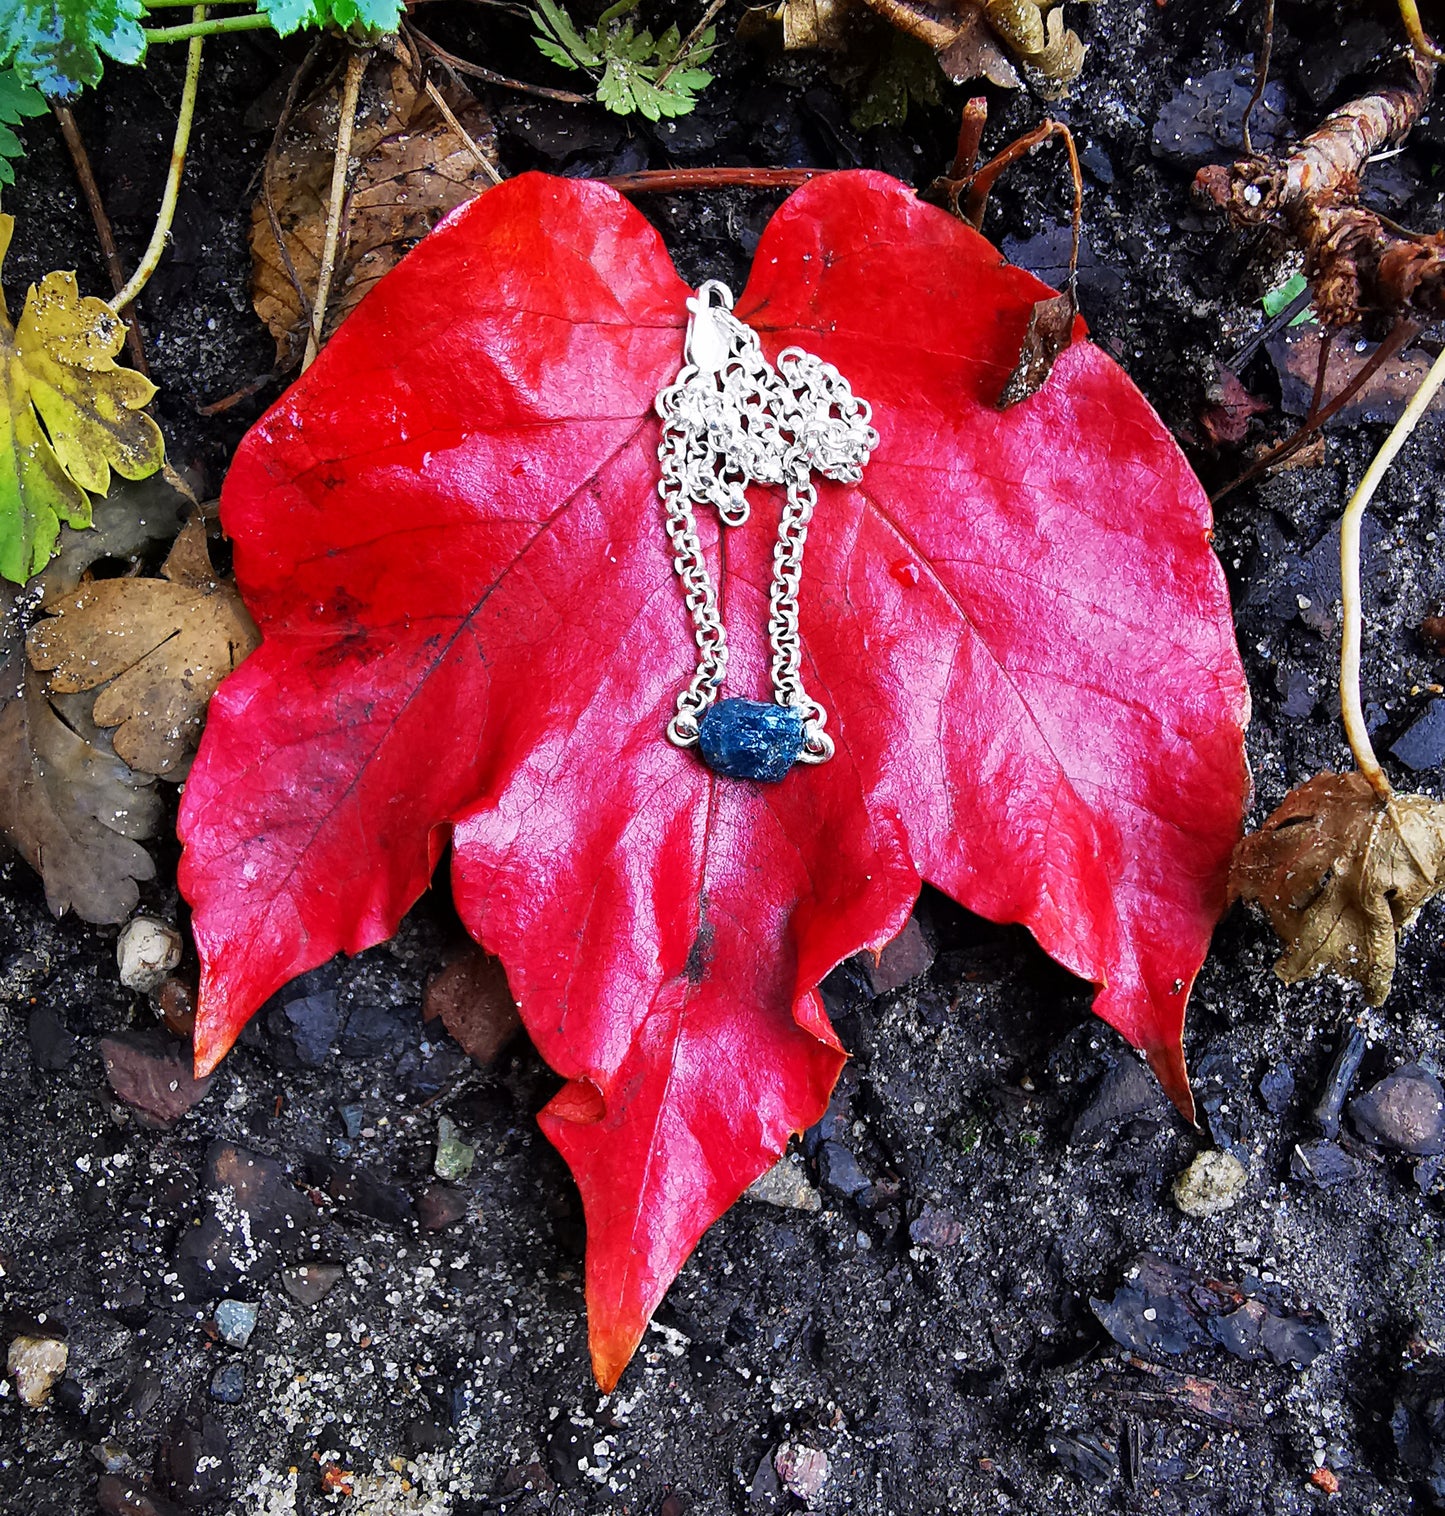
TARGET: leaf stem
(195,30)
(1350,711)
(152,256)
(350,94)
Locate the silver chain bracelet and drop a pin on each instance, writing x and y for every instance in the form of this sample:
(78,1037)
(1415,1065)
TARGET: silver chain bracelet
(731,419)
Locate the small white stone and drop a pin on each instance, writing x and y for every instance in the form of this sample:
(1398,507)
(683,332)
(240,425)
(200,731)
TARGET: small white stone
(1211,1184)
(147,951)
(35,1363)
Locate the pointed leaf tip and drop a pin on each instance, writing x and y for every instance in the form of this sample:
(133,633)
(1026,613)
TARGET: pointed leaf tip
(1167,1061)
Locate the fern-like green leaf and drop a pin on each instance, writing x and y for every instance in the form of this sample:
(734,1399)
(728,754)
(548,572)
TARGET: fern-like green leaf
(57,46)
(556,35)
(366,17)
(17,101)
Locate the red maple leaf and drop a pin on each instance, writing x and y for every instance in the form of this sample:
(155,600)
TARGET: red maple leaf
(448,531)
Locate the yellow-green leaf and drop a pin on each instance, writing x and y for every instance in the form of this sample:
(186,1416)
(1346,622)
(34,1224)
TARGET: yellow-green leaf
(68,416)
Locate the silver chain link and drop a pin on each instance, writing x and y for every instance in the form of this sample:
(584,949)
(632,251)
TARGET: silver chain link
(731,419)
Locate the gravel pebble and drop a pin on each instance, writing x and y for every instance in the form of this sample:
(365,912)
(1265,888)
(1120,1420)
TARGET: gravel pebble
(785,1185)
(146,951)
(1210,1185)
(1405,1110)
(235,1321)
(35,1363)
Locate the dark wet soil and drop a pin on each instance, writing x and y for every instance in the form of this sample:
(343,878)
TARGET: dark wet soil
(992,1165)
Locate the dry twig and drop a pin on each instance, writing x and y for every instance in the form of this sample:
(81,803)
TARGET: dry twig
(490,76)
(85,176)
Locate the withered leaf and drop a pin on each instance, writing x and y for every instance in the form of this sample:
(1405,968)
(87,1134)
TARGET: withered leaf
(158,646)
(413,168)
(1340,874)
(814,23)
(1049,332)
(74,812)
(975,54)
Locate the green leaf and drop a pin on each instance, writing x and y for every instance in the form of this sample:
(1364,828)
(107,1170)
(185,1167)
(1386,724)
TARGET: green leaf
(1279,297)
(56,45)
(908,72)
(632,61)
(614,90)
(556,52)
(616,12)
(557,28)
(369,16)
(287,16)
(17,100)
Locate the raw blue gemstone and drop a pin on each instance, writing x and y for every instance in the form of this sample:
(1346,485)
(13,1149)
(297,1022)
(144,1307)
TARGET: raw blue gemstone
(750,739)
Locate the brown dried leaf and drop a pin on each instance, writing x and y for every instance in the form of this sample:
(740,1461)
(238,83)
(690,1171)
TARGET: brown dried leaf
(815,23)
(412,169)
(973,53)
(1049,332)
(1340,875)
(1384,395)
(1228,408)
(74,812)
(159,646)
(474,1001)
(1062,57)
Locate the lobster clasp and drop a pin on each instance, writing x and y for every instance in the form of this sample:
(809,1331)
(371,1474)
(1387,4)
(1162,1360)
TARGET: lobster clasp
(709,340)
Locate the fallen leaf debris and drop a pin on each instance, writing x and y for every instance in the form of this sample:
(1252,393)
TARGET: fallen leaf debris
(1340,873)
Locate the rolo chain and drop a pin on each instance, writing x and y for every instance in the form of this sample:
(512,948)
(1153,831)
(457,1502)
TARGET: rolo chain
(731,419)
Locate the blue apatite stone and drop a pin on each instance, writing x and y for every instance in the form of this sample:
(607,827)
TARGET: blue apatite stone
(750,739)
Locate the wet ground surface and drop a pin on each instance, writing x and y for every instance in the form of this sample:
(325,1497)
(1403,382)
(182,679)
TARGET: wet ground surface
(973,1289)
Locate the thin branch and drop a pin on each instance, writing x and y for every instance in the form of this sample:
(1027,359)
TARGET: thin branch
(448,115)
(193,31)
(350,95)
(1276,324)
(1317,395)
(1350,711)
(970,139)
(103,233)
(283,121)
(488,76)
(666,181)
(980,184)
(1403,332)
(152,256)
